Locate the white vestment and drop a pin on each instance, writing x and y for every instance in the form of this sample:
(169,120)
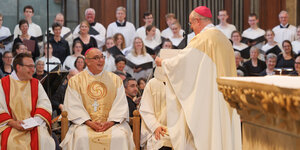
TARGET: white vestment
(4,33)
(33,30)
(141,32)
(194,104)
(227,30)
(167,33)
(51,60)
(84,90)
(100,38)
(191,36)
(128,31)
(153,111)
(282,34)
(69,63)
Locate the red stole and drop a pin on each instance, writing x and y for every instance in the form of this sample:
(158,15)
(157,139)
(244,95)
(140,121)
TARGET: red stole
(5,116)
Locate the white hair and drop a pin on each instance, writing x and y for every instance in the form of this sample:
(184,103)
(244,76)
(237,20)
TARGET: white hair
(90,9)
(121,8)
(283,12)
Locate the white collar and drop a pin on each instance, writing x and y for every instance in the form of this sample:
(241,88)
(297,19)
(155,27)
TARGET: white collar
(92,73)
(15,76)
(207,27)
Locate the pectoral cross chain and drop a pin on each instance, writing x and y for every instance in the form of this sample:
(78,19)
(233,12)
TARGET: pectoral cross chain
(95,105)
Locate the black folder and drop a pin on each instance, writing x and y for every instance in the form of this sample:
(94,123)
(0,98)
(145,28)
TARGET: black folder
(275,50)
(92,31)
(257,40)
(144,66)
(6,40)
(245,53)
(39,38)
(67,35)
(55,78)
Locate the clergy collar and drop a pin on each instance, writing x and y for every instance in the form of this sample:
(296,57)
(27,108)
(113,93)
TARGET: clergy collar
(93,24)
(207,27)
(121,24)
(87,69)
(286,26)
(14,76)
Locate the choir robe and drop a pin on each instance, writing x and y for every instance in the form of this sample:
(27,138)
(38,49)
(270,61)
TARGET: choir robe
(153,111)
(138,60)
(284,33)
(253,34)
(33,30)
(4,33)
(127,29)
(227,30)
(275,49)
(167,33)
(191,36)
(100,37)
(100,98)
(109,62)
(296,46)
(141,32)
(193,100)
(21,100)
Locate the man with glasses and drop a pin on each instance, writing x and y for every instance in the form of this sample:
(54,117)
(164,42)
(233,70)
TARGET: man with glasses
(191,88)
(23,102)
(96,104)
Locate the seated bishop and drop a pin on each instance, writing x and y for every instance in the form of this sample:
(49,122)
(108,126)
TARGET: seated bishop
(154,133)
(25,109)
(96,104)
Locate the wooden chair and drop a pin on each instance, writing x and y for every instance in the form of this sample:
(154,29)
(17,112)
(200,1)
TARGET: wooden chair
(134,122)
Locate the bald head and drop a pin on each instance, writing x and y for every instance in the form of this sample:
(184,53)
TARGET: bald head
(198,22)
(59,18)
(94,60)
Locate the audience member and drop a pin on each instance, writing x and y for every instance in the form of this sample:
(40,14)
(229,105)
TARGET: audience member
(70,60)
(80,63)
(60,46)
(177,38)
(39,70)
(131,92)
(66,32)
(167,44)
(4,33)
(120,63)
(122,26)
(7,67)
(119,48)
(297,67)
(271,63)
(170,19)
(141,85)
(254,66)
(33,29)
(86,40)
(142,31)
(139,56)
(225,27)
(53,61)
(241,71)
(284,31)
(271,46)
(287,58)
(97,30)
(254,35)
(27,39)
(238,46)
(19,48)
(296,43)
(109,59)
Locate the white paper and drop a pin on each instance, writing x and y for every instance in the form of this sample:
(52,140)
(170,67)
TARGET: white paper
(29,123)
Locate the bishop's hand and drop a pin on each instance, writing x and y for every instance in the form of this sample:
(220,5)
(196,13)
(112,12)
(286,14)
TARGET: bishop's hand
(105,126)
(158,61)
(16,124)
(160,131)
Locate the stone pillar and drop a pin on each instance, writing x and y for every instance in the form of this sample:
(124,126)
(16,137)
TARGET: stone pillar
(291,7)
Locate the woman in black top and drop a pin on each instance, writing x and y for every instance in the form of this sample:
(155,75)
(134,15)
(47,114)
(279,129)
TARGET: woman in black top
(287,58)
(254,66)
(86,40)
(32,44)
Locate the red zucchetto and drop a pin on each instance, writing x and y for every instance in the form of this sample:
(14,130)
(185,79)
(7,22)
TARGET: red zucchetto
(203,11)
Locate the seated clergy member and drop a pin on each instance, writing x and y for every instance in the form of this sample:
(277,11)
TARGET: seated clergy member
(96,104)
(154,114)
(23,97)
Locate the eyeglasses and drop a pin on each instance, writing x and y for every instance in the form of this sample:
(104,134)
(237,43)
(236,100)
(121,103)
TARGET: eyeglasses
(97,57)
(297,63)
(8,57)
(29,66)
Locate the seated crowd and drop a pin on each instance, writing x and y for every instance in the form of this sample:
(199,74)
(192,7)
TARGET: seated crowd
(129,53)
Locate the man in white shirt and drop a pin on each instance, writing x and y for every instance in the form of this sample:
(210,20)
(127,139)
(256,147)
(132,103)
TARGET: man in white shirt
(122,26)
(170,19)
(254,32)
(141,32)
(34,29)
(4,33)
(97,30)
(225,27)
(284,31)
(66,32)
